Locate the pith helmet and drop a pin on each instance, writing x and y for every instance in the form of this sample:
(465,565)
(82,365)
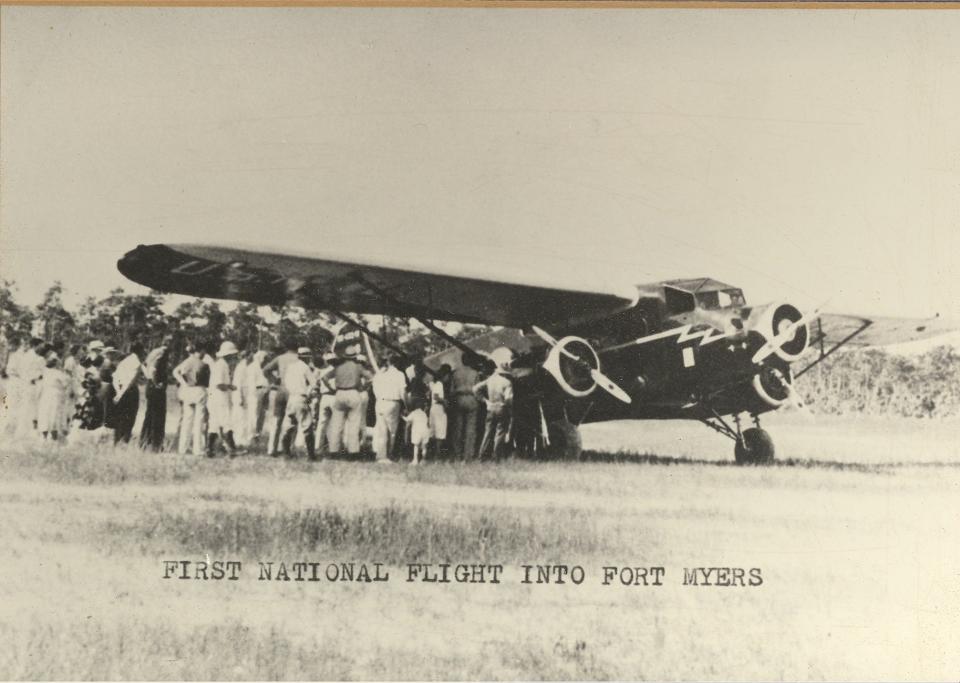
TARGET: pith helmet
(227,348)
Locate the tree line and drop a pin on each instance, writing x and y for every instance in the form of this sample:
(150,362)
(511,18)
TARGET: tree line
(876,382)
(122,317)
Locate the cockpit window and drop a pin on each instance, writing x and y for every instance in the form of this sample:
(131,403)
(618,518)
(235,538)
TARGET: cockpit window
(722,298)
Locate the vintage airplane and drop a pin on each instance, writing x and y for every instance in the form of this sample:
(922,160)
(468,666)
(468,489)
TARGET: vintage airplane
(679,349)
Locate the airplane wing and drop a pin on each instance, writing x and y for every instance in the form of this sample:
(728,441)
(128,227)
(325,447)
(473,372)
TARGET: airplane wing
(265,278)
(855,330)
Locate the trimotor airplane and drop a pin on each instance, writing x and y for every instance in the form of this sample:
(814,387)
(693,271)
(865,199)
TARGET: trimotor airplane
(678,349)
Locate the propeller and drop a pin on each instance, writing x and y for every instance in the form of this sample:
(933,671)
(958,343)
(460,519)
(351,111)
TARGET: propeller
(795,400)
(786,334)
(601,380)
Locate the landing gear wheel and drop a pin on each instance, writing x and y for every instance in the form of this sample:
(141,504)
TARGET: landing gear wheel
(565,443)
(755,447)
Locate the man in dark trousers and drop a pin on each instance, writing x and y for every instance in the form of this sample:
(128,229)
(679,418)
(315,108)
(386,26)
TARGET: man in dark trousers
(153,431)
(126,400)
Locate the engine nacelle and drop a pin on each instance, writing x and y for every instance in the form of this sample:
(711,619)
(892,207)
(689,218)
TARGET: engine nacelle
(775,319)
(570,363)
(772,386)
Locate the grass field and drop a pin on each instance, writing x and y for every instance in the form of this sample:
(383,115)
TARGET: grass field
(855,533)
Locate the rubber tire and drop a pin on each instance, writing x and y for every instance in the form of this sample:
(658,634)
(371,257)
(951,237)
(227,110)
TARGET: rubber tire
(565,441)
(754,448)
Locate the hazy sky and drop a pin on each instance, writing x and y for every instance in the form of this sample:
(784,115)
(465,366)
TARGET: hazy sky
(807,155)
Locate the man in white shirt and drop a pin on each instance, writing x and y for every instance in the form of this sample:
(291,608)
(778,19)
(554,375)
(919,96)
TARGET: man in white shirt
(193,402)
(238,415)
(326,400)
(258,387)
(298,380)
(220,400)
(389,389)
(126,396)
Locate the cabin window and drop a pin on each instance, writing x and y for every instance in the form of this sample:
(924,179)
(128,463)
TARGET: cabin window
(717,299)
(678,301)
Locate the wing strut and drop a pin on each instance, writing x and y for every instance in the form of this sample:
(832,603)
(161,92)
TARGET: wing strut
(366,329)
(453,340)
(423,321)
(835,347)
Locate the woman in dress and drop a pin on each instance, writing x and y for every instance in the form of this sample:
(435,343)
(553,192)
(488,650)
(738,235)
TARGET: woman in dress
(51,406)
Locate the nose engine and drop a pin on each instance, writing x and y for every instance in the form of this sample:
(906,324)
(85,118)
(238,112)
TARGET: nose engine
(785,332)
(784,328)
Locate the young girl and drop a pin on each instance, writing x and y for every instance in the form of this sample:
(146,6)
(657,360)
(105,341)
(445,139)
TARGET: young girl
(51,406)
(418,431)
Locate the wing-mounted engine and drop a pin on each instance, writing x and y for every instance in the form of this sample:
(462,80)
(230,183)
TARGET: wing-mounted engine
(772,386)
(570,362)
(575,365)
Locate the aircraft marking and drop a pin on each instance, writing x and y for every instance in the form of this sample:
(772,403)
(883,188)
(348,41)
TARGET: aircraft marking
(707,336)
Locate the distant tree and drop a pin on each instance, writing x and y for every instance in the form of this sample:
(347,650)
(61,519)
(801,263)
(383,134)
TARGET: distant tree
(245,327)
(16,320)
(55,321)
(200,321)
(120,318)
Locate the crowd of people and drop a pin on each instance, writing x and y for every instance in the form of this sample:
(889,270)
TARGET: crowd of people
(235,401)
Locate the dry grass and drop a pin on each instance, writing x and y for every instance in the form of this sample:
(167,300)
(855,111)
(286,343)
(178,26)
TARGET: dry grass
(391,534)
(858,550)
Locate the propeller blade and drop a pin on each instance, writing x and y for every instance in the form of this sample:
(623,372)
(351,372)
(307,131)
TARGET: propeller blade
(602,380)
(783,337)
(545,336)
(608,384)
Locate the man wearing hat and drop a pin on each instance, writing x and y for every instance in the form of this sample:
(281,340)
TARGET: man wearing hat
(497,392)
(94,357)
(219,399)
(298,382)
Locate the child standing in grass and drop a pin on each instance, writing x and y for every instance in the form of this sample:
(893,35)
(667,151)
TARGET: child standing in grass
(418,431)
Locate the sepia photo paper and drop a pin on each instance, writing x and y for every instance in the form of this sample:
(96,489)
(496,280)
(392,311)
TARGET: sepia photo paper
(473,341)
